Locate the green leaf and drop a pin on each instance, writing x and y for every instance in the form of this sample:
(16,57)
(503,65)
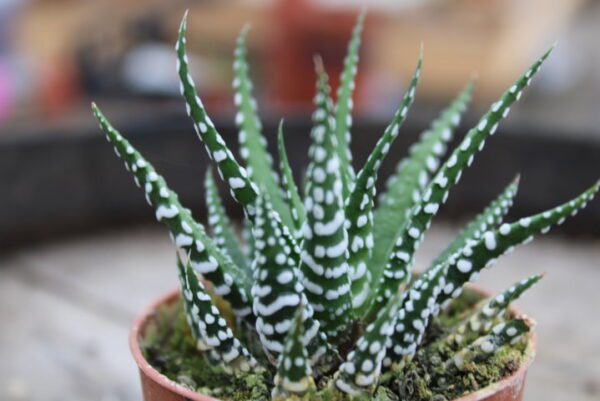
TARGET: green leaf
(343,108)
(209,328)
(401,260)
(230,282)
(489,312)
(277,290)
(221,226)
(289,186)
(359,373)
(466,265)
(325,248)
(248,239)
(253,145)
(412,175)
(359,205)
(490,217)
(414,315)
(485,347)
(243,190)
(294,372)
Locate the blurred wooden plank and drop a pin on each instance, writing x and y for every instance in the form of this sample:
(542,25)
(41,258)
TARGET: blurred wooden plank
(53,349)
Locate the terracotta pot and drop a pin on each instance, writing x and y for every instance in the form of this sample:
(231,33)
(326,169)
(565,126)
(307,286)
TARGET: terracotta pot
(156,387)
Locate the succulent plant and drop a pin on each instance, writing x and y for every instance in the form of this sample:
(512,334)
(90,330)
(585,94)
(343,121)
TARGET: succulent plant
(325,287)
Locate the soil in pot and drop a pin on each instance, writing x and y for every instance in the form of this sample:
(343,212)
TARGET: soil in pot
(169,347)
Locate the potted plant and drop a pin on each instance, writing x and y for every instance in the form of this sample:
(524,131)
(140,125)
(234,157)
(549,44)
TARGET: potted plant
(321,303)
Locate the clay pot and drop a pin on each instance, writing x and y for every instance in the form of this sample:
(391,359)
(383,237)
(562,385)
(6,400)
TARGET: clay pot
(156,387)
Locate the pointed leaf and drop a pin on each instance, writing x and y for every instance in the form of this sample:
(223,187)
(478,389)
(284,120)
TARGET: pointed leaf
(289,186)
(484,347)
(489,218)
(466,264)
(359,205)
(417,307)
(253,145)
(208,326)
(277,290)
(243,190)
(230,282)
(482,320)
(294,372)
(412,175)
(248,239)
(221,226)
(325,247)
(343,108)
(361,370)
(436,192)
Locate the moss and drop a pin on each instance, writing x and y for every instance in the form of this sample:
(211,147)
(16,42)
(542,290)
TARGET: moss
(169,347)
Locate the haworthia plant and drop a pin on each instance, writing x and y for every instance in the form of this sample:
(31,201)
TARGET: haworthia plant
(436,192)
(290,189)
(294,371)
(489,218)
(344,105)
(206,257)
(209,327)
(412,175)
(359,204)
(242,188)
(484,347)
(222,229)
(277,290)
(335,259)
(489,312)
(253,145)
(325,239)
(465,266)
(359,373)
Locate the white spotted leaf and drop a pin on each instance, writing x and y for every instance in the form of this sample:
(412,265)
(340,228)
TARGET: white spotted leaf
(359,205)
(253,145)
(412,175)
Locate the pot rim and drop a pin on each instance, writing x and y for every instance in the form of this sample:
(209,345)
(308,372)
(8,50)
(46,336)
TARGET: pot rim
(142,319)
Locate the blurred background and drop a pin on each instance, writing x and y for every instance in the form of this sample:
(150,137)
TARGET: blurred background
(79,254)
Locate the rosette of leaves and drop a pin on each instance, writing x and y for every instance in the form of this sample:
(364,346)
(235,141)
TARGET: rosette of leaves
(325,288)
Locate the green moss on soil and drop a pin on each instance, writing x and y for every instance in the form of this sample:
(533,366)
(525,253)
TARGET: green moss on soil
(169,347)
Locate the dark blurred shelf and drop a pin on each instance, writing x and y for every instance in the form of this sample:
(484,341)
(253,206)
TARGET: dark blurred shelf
(65,179)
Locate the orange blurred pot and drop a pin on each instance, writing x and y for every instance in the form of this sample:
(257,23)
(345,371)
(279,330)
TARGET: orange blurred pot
(156,387)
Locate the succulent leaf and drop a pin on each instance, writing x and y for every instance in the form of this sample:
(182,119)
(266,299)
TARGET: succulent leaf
(325,248)
(419,304)
(253,145)
(221,226)
(412,175)
(484,347)
(294,372)
(289,186)
(248,239)
(344,105)
(205,257)
(436,192)
(359,206)
(490,217)
(488,313)
(360,372)
(208,327)
(277,290)
(243,190)
(466,264)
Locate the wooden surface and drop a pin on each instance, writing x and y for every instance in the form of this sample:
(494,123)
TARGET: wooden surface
(66,309)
